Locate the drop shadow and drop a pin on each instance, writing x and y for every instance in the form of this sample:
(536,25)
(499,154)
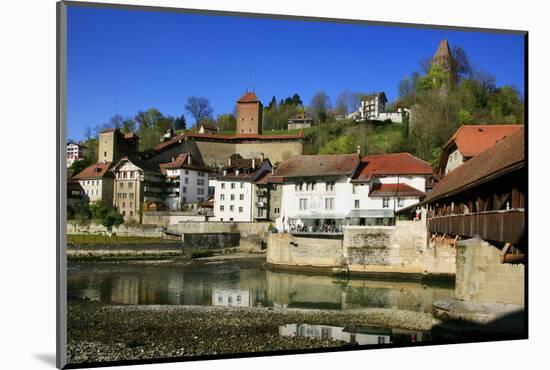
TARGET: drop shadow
(46,358)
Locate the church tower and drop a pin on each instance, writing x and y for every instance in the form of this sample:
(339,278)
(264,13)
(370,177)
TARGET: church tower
(249,114)
(443,58)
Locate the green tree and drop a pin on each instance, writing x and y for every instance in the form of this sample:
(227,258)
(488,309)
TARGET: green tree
(112,218)
(99,210)
(226,122)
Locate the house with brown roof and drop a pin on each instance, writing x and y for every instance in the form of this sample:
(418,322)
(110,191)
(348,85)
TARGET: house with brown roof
(96,182)
(327,191)
(206,128)
(235,193)
(137,185)
(469,141)
(186,182)
(300,121)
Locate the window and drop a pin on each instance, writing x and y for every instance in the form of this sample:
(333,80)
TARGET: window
(200,182)
(222,208)
(131,213)
(131,205)
(130,185)
(123,204)
(241,196)
(200,191)
(239,298)
(240,209)
(303,203)
(330,186)
(121,185)
(232,196)
(222,196)
(299,187)
(200,199)
(276,210)
(186,172)
(201,174)
(131,196)
(220,299)
(357,203)
(123,213)
(232,185)
(399,202)
(184,189)
(231,208)
(223,185)
(385,202)
(329,203)
(242,185)
(186,180)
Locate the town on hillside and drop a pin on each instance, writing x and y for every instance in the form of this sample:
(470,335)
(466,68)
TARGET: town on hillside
(431,187)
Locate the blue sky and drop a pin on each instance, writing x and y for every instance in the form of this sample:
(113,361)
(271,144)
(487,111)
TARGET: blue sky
(122,61)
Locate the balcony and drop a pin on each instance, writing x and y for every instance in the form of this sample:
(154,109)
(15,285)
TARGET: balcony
(498,226)
(261,204)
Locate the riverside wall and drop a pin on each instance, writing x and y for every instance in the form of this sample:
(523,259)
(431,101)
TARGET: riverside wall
(377,251)
(481,278)
(252,236)
(141,230)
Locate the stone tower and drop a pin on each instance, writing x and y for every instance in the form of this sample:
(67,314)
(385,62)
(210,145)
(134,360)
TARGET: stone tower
(443,58)
(113,145)
(249,114)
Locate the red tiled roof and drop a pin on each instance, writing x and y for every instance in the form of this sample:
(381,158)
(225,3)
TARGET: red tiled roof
(391,190)
(390,164)
(248,97)
(95,171)
(181,161)
(225,137)
(506,155)
(264,178)
(318,165)
(474,139)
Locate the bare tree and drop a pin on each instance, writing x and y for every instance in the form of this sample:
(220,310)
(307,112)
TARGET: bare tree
(88,133)
(198,107)
(320,104)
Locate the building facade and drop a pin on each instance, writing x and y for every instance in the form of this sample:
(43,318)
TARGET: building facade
(75,152)
(235,192)
(97,182)
(186,182)
(321,193)
(300,121)
(137,185)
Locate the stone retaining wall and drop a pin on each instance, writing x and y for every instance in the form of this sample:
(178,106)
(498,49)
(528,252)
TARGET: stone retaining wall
(480,277)
(143,230)
(170,218)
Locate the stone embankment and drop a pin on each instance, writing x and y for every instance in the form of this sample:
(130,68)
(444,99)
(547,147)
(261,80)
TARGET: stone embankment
(98,333)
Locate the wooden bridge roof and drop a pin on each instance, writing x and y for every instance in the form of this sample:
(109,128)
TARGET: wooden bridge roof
(505,156)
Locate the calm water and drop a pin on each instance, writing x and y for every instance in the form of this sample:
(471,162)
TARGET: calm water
(243,283)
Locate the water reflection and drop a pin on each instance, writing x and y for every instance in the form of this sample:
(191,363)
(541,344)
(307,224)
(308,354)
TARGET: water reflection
(353,334)
(242,283)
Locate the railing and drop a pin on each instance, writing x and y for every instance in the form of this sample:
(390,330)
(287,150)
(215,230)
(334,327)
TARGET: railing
(502,226)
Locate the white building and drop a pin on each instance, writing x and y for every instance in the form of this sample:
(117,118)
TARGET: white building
(235,191)
(324,192)
(75,152)
(187,182)
(97,182)
(373,107)
(231,297)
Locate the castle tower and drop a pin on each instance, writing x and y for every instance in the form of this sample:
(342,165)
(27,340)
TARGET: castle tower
(249,114)
(443,58)
(114,145)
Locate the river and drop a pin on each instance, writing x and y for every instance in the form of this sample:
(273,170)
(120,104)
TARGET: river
(242,283)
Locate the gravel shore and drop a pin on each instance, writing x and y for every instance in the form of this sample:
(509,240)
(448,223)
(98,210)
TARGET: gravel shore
(98,333)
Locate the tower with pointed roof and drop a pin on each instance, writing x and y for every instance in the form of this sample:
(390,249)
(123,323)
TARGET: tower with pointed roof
(443,59)
(249,114)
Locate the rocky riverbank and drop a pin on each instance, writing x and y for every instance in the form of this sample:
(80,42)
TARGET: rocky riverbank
(99,333)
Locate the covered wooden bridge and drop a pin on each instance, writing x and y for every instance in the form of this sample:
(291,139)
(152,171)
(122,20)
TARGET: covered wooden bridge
(485,197)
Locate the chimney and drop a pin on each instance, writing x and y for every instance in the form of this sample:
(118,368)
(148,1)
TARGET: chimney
(262,157)
(173,159)
(253,163)
(359,149)
(229,162)
(189,159)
